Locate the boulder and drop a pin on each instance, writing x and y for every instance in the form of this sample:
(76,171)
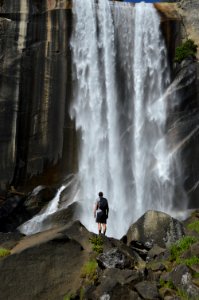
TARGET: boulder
(46,266)
(182,279)
(155,227)
(38,198)
(147,290)
(115,284)
(114,258)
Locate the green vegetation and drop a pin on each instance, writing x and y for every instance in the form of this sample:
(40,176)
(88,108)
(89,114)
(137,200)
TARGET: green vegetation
(97,243)
(69,297)
(187,49)
(4,252)
(185,296)
(194,260)
(167,284)
(180,246)
(89,271)
(194,226)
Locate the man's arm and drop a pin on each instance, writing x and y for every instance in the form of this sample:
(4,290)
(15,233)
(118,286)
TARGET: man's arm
(107,210)
(95,209)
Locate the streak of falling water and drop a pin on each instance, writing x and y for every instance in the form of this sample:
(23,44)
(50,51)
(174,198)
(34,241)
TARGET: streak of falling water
(121,75)
(151,77)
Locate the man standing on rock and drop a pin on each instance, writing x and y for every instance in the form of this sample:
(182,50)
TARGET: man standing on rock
(101,211)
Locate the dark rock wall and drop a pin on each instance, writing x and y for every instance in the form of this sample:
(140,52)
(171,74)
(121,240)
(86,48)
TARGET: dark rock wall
(36,133)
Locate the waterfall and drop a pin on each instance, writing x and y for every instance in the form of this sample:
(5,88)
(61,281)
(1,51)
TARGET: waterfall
(121,76)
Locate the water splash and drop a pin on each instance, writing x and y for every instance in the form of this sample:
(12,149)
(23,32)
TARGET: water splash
(121,77)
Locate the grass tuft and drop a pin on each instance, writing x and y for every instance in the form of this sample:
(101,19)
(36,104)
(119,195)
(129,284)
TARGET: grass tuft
(4,252)
(194,226)
(180,246)
(89,271)
(97,243)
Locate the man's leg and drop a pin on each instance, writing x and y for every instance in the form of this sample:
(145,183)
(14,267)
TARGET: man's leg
(104,228)
(99,228)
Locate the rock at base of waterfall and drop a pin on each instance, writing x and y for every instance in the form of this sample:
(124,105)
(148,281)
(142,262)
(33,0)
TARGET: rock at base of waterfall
(38,198)
(155,227)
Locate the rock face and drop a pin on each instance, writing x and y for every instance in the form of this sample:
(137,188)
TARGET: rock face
(51,263)
(155,228)
(49,268)
(37,135)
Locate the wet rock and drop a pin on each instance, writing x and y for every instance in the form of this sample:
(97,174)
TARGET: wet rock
(156,227)
(13,213)
(113,258)
(140,248)
(147,290)
(60,217)
(38,198)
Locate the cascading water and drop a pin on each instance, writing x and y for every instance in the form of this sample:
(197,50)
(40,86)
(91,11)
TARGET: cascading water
(121,89)
(121,75)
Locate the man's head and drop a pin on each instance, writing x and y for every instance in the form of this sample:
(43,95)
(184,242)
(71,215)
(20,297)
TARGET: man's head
(100,194)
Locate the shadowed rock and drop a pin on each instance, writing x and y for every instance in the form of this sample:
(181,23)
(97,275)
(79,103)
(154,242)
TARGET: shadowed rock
(47,266)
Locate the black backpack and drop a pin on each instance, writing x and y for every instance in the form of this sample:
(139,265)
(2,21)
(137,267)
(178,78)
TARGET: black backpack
(103,204)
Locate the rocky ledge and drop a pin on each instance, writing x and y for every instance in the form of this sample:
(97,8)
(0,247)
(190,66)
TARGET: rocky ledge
(157,259)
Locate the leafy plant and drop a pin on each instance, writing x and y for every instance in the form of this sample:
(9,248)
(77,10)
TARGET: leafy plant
(4,252)
(89,271)
(180,246)
(187,49)
(97,243)
(194,226)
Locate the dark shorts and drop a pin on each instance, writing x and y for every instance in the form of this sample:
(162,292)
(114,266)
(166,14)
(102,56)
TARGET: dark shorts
(101,217)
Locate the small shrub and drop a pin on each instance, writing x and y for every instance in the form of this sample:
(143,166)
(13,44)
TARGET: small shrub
(194,260)
(97,243)
(89,271)
(194,226)
(4,252)
(187,49)
(180,246)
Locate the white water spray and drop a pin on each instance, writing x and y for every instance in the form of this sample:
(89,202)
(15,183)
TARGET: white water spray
(121,73)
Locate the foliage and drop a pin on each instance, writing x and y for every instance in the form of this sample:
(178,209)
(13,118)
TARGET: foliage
(185,296)
(166,284)
(194,226)
(194,260)
(69,296)
(81,294)
(187,49)
(89,271)
(180,246)
(97,243)
(4,252)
